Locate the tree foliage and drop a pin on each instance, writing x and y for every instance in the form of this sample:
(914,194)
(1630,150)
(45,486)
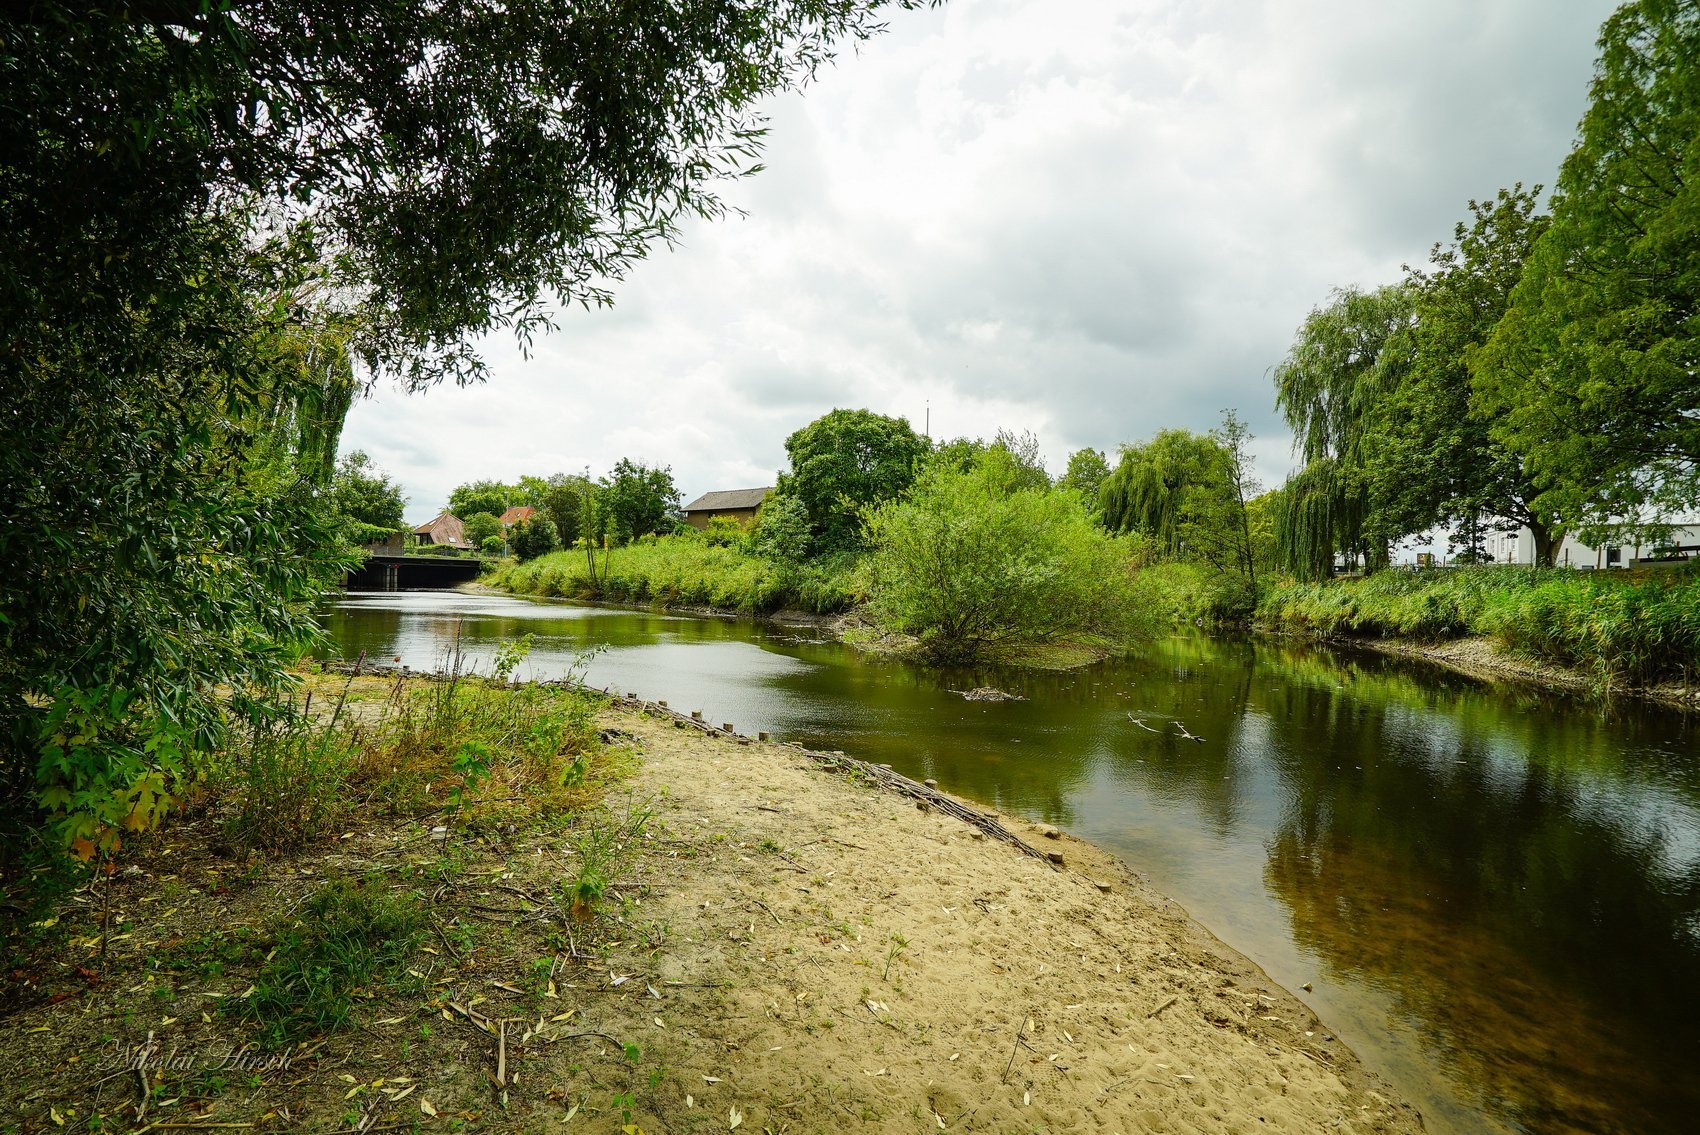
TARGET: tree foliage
(481,526)
(970,568)
(637,500)
(1436,459)
(1186,494)
(212,211)
(473,497)
(1086,473)
(1592,370)
(364,493)
(1347,357)
(533,538)
(847,461)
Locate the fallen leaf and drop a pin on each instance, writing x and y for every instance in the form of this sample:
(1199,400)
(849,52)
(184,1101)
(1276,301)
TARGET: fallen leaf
(733,1118)
(425,1106)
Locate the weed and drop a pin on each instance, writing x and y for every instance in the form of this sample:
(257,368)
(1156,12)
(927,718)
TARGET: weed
(349,935)
(602,850)
(287,779)
(897,945)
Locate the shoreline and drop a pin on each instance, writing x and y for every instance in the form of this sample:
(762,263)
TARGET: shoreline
(959,978)
(1479,657)
(791,941)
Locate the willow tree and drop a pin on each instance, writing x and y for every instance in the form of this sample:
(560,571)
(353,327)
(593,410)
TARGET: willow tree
(1186,493)
(1347,358)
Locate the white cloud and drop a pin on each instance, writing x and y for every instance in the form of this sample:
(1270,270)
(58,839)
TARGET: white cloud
(1093,221)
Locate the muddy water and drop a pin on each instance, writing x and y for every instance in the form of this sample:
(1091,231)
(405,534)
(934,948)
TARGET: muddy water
(1495,896)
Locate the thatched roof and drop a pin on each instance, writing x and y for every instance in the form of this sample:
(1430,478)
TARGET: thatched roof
(729,499)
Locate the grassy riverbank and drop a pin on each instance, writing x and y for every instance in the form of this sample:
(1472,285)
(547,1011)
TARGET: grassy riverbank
(1636,628)
(717,935)
(689,572)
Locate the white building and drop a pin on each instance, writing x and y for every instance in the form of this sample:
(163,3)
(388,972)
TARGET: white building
(1519,548)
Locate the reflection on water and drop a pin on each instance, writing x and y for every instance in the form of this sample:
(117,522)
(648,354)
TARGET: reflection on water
(1496,895)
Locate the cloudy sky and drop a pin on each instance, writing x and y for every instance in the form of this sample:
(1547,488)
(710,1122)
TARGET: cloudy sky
(1091,220)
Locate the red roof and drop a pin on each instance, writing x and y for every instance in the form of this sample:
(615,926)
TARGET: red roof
(518,514)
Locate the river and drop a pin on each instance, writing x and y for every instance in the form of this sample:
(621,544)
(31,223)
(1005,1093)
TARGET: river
(1493,894)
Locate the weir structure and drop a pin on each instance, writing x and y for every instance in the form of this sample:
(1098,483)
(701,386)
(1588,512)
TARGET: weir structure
(396,572)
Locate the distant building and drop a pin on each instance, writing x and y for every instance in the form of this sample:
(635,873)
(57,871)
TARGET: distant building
(518,514)
(444,530)
(739,504)
(1519,548)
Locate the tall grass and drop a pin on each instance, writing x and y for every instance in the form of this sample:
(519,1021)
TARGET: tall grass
(1639,629)
(685,571)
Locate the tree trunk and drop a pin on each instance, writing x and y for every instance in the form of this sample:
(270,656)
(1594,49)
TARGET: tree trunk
(1547,541)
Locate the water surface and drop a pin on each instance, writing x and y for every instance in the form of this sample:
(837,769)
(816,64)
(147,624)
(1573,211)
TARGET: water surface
(1495,894)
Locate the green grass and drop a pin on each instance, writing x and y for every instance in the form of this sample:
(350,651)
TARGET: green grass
(1641,629)
(687,571)
(348,937)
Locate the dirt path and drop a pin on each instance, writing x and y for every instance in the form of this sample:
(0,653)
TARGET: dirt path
(838,958)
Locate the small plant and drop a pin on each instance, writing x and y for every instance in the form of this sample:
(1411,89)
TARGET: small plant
(893,951)
(509,655)
(348,936)
(288,779)
(601,851)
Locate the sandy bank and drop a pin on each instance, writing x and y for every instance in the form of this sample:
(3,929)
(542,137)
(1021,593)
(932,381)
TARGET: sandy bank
(1482,657)
(850,961)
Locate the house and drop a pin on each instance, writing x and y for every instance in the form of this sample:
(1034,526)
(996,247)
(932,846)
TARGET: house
(738,504)
(518,514)
(1519,548)
(444,530)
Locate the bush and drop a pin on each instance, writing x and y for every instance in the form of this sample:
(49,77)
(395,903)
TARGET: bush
(536,537)
(686,571)
(968,569)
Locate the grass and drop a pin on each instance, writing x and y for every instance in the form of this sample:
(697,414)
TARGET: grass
(688,571)
(1641,629)
(349,936)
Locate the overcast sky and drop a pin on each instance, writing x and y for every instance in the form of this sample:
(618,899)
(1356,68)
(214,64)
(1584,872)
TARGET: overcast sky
(1091,220)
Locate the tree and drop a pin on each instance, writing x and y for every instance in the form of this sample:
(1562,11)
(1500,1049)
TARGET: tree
(492,497)
(1186,493)
(1436,459)
(212,211)
(782,529)
(1592,370)
(1328,387)
(637,500)
(533,538)
(562,499)
(365,494)
(1085,474)
(845,462)
(480,527)
(971,569)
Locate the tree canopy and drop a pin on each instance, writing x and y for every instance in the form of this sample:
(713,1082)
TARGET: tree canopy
(365,494)
(214,213)
(1592,369)
(846,461)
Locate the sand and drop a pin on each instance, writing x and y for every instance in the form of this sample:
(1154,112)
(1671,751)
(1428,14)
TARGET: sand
(851,961)
(784,949)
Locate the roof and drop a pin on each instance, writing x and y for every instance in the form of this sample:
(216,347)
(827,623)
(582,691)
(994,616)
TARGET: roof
(444,528)
(518,514)
(436,520)
(728,499)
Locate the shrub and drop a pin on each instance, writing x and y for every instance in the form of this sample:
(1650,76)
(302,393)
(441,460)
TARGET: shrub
(968,569)
(534,538)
